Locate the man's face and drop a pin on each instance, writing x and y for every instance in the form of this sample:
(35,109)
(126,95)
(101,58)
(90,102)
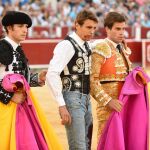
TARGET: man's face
(116,33)
(87,30)
(17,32)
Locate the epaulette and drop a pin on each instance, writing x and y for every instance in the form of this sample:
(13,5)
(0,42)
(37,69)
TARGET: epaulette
(103,49)
(6,52)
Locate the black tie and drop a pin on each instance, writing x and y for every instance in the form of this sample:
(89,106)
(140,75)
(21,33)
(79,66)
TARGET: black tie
(119,48)
(87,47)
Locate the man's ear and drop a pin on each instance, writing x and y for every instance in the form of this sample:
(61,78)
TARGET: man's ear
(9,27)
(107,29)
(77,25)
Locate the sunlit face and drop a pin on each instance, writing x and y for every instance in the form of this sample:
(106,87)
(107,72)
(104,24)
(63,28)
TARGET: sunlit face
(18,32)
(116,33)
(87,30)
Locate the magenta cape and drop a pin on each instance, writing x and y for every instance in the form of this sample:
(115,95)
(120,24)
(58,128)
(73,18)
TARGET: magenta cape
(29,134)
(128,130)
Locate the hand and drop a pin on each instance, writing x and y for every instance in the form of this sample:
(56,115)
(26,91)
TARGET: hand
(19,97)
(124,43)
(115,105)
(42,77)
(65,115)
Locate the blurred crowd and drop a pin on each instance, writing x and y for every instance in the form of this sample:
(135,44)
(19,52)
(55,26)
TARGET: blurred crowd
(61,13)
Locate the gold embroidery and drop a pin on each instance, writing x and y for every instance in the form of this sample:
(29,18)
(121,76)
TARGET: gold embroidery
(112,77)
(103,112)
(103,93)
(103,49)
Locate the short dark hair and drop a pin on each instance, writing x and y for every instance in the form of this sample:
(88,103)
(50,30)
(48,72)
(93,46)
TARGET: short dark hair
(84,15)
(113,17)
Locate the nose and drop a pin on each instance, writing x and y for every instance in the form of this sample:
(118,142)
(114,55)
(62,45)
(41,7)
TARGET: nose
(93,30)
(122,31)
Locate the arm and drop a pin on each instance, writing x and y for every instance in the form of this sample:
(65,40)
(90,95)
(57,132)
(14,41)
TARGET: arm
(5,96)
(38,79)
(62,55)
(97,90)
(34,80)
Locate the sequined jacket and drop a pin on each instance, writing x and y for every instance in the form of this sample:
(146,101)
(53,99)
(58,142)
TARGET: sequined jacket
(107,65)
(21,67)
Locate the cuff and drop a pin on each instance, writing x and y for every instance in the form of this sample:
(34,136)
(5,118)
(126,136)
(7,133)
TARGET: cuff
(5,96)
(60,101)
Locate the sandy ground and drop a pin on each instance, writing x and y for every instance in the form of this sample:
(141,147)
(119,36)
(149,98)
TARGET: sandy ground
(49,105)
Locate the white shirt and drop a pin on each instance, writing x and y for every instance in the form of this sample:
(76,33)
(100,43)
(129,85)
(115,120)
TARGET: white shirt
(63,53)
(3,67)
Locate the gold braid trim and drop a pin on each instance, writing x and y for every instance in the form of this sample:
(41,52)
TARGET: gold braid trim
(103,49)
(97,90)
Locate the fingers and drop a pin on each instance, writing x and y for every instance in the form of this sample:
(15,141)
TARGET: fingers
(42,75)
(42,83)
(66,120)
(116,105)
(119,106)
(19,97)
(65,115)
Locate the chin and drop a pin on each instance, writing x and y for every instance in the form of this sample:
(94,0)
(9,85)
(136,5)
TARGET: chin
(88,39)
(22,39)
(119,41)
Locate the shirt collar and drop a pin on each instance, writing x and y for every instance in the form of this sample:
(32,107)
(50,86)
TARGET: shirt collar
(13,44)
(77,39)
(114,44)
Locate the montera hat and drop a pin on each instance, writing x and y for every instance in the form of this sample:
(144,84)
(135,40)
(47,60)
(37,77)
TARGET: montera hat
(16,17)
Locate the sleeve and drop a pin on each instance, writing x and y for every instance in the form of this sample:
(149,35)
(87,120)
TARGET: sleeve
(62,55)
(5,96)
(97,90)
(34,80)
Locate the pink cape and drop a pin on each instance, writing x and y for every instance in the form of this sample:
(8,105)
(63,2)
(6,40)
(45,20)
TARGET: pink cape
(29,135)
(128,130)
